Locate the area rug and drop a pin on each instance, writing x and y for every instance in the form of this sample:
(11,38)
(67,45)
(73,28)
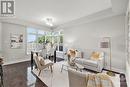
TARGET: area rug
(60,79)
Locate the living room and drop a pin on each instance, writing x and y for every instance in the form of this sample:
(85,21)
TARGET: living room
(64,29)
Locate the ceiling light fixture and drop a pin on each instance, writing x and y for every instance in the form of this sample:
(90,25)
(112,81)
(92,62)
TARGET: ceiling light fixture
(49,21)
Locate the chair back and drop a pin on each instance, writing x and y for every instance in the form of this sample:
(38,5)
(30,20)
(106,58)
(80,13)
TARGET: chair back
(44,52)
(76,78)
(37,61)
(51,51)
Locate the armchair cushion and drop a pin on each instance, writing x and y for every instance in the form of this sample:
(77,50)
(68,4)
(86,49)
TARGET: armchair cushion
(47,61)
(41,60)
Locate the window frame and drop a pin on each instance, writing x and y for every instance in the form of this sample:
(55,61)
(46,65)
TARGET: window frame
(46,33)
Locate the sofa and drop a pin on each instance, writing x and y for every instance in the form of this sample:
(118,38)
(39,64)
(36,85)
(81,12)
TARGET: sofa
(88,63)
(83,79)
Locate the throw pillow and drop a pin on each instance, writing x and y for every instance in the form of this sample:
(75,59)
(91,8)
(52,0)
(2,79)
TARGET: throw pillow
(41,60)
(95,55)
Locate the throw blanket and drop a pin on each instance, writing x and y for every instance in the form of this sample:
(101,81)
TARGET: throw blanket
(98,80)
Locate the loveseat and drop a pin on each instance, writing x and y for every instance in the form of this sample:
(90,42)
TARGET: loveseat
(89,63)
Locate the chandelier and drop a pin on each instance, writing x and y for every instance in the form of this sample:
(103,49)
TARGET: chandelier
(49,21)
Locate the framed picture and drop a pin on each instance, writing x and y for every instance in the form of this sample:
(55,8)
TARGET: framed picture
(16,40)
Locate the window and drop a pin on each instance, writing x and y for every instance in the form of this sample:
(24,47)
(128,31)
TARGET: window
(36,38)
(58,39)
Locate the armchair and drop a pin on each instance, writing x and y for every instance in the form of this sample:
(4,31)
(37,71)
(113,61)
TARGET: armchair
(42,64)
(76,78)
(82,79)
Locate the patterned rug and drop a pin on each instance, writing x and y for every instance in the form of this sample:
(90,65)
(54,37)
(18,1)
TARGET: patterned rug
(60,79)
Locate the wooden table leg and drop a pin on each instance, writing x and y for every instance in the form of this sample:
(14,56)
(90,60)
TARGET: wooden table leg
(31,60)
(55,56)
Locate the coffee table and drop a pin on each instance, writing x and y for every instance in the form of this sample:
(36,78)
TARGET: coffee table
(67,65)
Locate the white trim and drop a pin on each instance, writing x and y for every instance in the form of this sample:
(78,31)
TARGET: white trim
(16,61)
(25,23)
(116,70)
(87,19)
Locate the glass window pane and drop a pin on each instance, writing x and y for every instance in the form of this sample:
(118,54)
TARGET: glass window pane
(56,39)
(31,38)
(41,39)
(41,32)
(48,33)
(48,39)
(61,32)
(61,39)
(55,33)
(31,30)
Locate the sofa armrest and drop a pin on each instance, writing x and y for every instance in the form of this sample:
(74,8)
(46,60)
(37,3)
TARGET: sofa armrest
(101,63)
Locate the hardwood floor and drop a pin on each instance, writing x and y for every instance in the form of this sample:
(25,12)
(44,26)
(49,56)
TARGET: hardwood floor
(19,75)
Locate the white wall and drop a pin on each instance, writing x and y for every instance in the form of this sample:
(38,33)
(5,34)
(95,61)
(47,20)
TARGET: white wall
(25,23)
(88,36)
(13,55)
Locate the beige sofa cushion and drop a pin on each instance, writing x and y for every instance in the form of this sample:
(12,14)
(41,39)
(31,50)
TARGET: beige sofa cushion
(95,55)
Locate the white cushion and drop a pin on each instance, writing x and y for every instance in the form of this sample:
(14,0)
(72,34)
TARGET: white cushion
(47,61)
(90,63)
(86,62)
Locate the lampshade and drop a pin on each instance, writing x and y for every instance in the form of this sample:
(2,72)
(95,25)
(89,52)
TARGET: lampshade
(104,45)
(105,42)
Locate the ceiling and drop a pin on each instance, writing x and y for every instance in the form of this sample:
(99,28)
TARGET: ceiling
(61,10)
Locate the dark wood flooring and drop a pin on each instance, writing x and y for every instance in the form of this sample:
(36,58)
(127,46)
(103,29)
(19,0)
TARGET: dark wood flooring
(20,75)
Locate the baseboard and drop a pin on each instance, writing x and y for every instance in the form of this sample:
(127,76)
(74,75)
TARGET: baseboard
(16,61)
(116,70)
